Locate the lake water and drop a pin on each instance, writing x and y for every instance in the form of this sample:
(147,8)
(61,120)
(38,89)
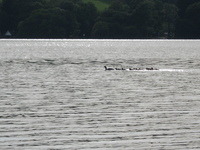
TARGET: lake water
(56,95)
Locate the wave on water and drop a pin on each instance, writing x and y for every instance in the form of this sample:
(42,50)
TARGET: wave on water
(172,70)
(161,70)
(95,64)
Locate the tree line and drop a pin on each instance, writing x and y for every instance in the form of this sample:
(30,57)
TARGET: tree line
(124,19)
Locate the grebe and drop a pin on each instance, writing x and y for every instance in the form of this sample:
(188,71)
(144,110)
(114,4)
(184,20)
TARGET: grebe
(108,68)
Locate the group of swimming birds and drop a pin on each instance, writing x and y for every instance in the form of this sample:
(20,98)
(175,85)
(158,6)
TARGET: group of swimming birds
(106,68)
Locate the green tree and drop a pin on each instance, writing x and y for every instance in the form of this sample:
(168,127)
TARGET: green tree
(192,15)
(145,18)
(183,5)
(7,15)
(170,14)
(16,11)
(86,15)
(188,25)
(48,23)
(123,19)
(100,30)
(116,18)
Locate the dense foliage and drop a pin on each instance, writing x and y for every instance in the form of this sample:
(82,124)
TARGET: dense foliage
(122,19)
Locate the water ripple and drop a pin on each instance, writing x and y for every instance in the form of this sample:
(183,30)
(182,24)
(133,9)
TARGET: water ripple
(72,103)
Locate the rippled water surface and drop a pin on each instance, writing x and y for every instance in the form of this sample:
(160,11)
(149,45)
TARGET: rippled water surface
(55,94)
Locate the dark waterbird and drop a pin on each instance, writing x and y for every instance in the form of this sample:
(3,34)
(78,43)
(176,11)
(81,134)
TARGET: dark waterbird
(106,68)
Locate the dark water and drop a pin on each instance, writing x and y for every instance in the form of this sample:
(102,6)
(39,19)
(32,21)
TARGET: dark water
(55,94)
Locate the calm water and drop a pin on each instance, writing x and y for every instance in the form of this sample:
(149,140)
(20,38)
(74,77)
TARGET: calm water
(55,94)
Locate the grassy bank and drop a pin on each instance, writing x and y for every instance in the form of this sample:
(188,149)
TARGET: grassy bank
(99,4)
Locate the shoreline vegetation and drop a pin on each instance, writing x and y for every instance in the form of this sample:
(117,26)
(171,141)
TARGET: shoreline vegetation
(100,19)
